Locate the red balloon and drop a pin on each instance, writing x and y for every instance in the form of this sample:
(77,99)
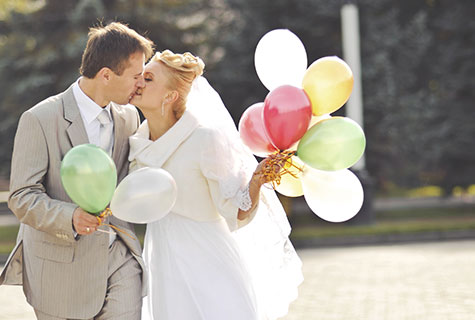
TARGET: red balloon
(252,131)
(287,113)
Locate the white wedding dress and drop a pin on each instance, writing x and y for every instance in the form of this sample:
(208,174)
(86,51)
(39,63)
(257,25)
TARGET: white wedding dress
(202,262)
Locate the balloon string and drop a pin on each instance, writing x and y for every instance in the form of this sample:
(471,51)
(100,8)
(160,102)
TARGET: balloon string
(268,171)
(291,164)
(106,213)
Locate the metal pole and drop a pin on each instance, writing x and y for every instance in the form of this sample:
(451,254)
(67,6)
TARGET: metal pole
(351,54)
(354,107)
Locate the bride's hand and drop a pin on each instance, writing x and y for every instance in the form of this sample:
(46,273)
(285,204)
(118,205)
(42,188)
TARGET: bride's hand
(266,171)
(272,164)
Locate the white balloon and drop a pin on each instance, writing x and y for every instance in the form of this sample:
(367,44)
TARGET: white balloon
(144,196)
(334,196)
(280,59)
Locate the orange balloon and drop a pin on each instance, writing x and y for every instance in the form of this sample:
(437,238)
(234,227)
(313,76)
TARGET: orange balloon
(328,83)
(291,186)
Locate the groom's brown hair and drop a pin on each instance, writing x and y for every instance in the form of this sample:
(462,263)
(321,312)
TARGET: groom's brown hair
(111,47)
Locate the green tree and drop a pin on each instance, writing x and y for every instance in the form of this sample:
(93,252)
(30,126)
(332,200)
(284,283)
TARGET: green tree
(41,44)
(417,65)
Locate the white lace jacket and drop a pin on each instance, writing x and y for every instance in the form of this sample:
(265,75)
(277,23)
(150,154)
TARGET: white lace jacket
(211,184)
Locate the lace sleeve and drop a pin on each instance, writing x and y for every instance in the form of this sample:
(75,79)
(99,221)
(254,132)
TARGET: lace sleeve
(243,199)
(228,177)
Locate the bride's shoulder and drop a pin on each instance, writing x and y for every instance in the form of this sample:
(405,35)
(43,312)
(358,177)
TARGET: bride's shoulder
(206,140)
(206,135)
(210,141)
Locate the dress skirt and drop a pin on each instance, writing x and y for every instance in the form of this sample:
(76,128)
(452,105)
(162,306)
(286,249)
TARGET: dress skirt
(195,272)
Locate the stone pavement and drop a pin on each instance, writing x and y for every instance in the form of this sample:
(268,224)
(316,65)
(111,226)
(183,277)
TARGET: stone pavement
(424,281)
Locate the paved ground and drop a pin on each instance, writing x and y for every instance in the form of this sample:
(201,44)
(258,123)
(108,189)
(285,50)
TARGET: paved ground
(426,281)
(433,281)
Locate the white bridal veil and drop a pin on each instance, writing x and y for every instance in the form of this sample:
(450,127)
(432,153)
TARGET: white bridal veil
(275,268)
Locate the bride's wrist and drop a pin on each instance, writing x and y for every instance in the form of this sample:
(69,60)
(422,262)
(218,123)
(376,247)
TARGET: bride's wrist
(257,179)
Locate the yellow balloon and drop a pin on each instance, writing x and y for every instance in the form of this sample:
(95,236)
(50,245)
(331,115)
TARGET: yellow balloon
(328,83)
(290,186)
(317,119)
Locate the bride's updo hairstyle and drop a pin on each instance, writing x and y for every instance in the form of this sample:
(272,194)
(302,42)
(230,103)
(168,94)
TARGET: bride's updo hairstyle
(181,70)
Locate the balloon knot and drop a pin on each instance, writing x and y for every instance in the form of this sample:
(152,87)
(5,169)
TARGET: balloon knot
(276,165)
(106,213)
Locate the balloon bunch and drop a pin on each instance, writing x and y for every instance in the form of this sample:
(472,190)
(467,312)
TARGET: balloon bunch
(295,118)
(89,177)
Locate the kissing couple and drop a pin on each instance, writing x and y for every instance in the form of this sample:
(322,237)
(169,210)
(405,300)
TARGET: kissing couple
(222,252)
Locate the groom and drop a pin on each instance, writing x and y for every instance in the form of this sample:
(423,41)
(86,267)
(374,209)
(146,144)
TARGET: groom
(67,268)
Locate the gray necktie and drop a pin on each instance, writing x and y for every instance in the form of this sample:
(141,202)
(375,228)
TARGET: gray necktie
(106,143)
(105,131)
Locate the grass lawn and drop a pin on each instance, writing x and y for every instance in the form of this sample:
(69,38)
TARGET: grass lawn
(309,226)
(389,222)
(385,227)
(8,236)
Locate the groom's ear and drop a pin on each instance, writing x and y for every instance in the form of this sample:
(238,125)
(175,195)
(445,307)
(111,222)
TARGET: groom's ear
(104,74)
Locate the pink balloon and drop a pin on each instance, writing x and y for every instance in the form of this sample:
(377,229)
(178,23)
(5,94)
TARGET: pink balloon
(287,113)
(252,131)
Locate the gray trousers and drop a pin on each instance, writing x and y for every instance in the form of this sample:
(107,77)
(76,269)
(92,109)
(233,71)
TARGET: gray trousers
(123,299)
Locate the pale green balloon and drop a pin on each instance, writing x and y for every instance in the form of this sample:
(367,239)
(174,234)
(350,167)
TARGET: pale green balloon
(332,144)
(89,177)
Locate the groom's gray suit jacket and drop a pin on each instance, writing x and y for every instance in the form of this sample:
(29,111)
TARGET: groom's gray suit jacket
(61,275)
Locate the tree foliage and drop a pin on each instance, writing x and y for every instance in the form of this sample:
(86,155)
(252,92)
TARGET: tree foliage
(41,43)
(417,61)
(417,64)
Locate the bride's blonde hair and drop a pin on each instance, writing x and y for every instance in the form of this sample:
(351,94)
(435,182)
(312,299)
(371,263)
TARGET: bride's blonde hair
(182,70)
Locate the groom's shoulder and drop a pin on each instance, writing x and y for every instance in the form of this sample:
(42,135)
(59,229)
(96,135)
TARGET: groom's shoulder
(127,111)
(125,108)
(50,105)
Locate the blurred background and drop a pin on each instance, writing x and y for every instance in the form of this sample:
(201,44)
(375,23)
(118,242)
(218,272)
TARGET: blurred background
(417,72)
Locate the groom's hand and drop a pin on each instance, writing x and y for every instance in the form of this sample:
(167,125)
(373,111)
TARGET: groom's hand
(83,222)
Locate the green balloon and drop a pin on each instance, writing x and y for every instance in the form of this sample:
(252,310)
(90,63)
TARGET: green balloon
(89,177)
(333,144)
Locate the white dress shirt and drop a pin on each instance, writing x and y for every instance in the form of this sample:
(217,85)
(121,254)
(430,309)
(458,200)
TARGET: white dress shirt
(89,111)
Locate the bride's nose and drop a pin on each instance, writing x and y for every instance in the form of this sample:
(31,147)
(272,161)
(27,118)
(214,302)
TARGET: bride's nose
(140,82)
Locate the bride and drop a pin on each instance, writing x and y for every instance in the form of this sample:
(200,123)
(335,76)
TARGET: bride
(223,251)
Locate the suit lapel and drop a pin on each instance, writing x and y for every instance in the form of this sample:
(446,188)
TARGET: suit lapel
(76,131)
(119,130)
